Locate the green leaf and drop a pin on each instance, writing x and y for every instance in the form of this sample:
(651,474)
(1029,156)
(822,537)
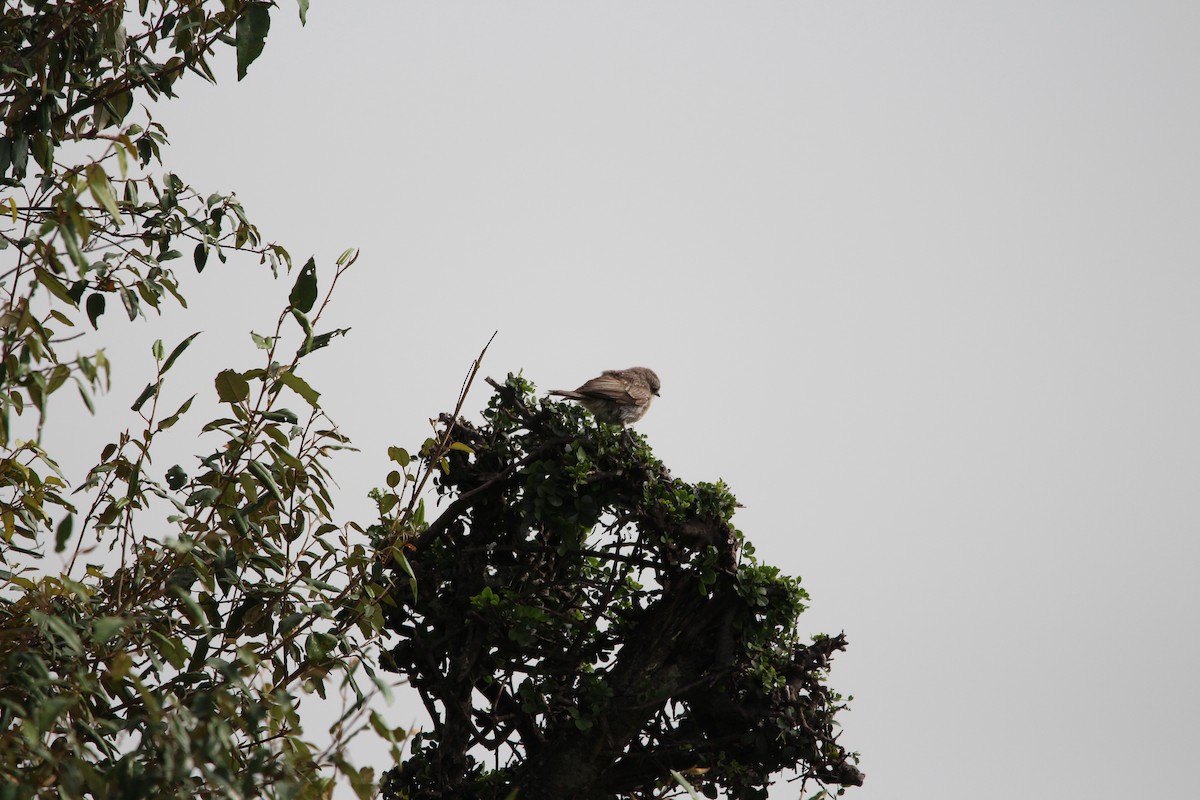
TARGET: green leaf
(104,628)
(399,455)
(64,632)
(190,607)
(200,256)
(317,342)
(264,477)
(282,415)
(87,398)
(362,781)
(43,151)
(377,722)
(303,322)
(251,35)
(63,533)
(171,420)
(20,154)
(303,11)
(101,189)
(179,348)
(95,307)
(262,342)
(231,386)
(319,645)
(289,623)
(300,387)
(304,293)
(202,498)
(131,303)
(170,648)
(199,654)
(176,477)
(71,240)
(146,394)
(122,157)
(401,559)
(49,710)
(54,285)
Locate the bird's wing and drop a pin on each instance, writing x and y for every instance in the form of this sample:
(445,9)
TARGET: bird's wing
(640,393)
(610,387)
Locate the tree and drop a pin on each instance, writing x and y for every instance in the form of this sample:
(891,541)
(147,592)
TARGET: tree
(170,657)
(597,626)
(610,617)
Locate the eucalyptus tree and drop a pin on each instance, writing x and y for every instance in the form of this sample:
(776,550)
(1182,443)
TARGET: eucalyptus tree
(166,650)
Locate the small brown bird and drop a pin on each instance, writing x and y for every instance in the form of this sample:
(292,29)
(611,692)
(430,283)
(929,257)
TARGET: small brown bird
(617,396)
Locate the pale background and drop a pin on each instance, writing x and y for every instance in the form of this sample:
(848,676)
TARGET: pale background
(920,279)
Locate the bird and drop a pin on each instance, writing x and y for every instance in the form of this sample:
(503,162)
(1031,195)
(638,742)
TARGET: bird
(617,396)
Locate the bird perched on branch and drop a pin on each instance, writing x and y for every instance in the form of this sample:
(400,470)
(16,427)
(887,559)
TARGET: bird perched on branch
(617,396)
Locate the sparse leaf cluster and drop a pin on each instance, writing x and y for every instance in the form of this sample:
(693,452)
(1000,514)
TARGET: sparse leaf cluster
(197,604)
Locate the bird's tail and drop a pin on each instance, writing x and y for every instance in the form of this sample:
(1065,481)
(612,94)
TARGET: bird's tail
(566,393)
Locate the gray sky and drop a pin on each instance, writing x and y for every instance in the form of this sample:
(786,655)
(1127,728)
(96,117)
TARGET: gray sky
(920,280)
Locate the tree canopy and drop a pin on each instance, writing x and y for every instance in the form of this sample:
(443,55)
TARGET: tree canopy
(595,624)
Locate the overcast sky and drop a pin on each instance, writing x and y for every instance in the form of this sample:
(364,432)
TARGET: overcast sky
(920,280)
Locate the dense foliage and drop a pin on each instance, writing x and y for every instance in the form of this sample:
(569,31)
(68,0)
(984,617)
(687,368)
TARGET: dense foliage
(592,624)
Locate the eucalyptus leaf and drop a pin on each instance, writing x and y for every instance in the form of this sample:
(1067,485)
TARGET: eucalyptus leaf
(101,189)
(62,533)
(146,394)
(304,291)
(95,307)
(178,351)
(251,34)
(300,387)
